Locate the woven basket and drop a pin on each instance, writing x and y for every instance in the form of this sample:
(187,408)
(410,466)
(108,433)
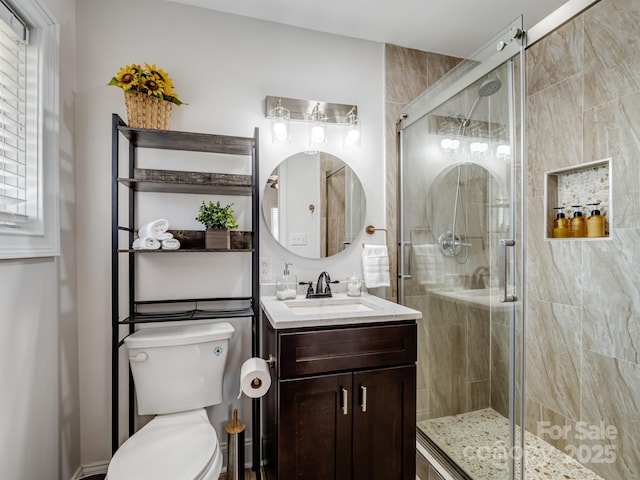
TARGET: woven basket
(145,111)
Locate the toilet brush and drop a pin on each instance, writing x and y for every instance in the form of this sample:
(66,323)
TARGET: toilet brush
(235,448)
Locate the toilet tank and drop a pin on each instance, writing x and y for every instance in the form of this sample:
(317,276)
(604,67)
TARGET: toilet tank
(178,368)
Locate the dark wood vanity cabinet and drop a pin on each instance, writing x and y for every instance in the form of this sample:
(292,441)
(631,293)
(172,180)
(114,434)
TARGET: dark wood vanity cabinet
(343,402)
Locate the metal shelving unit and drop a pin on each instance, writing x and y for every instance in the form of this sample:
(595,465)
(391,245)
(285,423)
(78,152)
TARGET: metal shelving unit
(171,181)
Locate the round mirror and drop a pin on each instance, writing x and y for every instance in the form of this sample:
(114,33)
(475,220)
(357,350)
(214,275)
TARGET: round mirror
(314,204)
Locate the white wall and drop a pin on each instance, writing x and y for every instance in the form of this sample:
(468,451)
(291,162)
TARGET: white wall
(39,404)
(223,66)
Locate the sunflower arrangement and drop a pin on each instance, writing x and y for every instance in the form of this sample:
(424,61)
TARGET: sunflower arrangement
(150,80)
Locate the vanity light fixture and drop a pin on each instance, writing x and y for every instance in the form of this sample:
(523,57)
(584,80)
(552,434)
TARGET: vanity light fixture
(317,127)
(320,117)
(351,130)
(280,131)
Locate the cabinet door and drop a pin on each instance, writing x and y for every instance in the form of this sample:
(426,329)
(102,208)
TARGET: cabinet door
(314,434)
(384,424)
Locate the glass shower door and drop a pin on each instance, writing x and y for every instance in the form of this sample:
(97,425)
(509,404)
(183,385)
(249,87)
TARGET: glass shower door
(460,257)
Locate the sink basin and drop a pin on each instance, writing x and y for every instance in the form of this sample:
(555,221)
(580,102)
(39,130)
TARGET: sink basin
(328,305)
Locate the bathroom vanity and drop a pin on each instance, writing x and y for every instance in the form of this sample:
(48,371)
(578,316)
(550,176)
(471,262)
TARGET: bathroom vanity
(343,399)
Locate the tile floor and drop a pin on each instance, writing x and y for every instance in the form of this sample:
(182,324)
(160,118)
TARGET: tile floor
(484,431)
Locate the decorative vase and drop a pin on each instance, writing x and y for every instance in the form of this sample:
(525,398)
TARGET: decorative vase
(146,111)
(217,238)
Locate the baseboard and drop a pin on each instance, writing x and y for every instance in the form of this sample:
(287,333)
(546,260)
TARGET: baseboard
(101,467)
(91,469)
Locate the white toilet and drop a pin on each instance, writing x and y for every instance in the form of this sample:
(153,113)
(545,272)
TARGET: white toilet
(177,372)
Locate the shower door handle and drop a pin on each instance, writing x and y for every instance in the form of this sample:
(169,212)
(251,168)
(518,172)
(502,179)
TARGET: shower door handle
(408,274)
(503,268)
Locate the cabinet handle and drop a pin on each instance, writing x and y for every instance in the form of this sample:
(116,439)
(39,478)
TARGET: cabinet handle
(363,404)
(345,408)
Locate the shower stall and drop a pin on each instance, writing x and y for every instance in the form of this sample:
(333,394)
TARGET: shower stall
(461,262)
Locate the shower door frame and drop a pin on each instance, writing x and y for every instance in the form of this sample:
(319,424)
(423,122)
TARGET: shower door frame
(510,43)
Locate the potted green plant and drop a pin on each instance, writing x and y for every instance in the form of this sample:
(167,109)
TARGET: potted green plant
(218,220)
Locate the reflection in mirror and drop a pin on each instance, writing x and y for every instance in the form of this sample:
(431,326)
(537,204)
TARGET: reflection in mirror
(314,204)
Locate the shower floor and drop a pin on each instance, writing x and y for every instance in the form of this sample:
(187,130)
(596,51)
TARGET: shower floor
(477,443)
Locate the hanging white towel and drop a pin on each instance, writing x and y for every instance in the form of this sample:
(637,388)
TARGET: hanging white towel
(375,266)
(156,229)
(427,261)
(170,244)
(146,243)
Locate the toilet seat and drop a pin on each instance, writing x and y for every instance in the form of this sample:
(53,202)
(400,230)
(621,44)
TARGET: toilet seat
(180,446)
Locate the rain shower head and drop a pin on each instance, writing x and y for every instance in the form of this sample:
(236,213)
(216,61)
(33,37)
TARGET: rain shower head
(488,88)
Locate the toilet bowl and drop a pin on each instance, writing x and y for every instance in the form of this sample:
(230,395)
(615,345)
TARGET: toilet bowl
(180,446)
(177,371)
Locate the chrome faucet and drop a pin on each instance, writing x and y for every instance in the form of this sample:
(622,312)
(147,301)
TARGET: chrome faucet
(477,280)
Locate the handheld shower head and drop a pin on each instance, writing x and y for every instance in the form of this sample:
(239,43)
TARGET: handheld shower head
(488,88)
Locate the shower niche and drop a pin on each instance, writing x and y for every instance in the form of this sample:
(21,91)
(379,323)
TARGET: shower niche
(584,188)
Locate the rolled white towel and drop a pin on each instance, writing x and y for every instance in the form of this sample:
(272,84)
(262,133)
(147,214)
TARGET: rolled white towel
(156,229)
(146,243)
(170,244)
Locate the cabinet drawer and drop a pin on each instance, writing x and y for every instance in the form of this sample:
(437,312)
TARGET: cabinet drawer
(335,350)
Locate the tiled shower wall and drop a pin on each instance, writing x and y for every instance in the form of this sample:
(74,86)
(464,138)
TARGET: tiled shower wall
(408,73)
(583,320)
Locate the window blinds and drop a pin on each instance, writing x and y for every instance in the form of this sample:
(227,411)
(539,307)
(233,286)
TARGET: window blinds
(14,183)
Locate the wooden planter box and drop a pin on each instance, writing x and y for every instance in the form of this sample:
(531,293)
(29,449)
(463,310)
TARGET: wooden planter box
(217,238)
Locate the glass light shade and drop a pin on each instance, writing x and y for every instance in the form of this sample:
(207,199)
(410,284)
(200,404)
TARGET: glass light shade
(280,131)
(317,129)
(351,132)
(503,150)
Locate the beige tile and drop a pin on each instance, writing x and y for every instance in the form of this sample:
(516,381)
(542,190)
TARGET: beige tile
(612,288)
(478,344)
(447,380)
(612,130)
(612,51)
(554,131)
(405,73)
(611,394)
(556,57)
(553,357)
(500,368)
(554,268)
(438,66)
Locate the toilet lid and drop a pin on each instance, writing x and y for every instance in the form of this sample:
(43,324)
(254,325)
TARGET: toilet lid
(170,447)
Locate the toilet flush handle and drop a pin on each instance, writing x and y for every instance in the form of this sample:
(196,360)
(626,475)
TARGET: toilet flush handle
(141,357)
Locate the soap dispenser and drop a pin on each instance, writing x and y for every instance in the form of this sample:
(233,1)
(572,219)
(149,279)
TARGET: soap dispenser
(560,224)
(595,222)
(577,225)
(286,284)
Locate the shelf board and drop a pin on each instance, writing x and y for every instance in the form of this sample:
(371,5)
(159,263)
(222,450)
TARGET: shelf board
(188,250)
(194,314)
(189,309)
(188,141)
(178,181)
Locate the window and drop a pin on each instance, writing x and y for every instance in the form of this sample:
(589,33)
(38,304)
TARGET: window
(29,209)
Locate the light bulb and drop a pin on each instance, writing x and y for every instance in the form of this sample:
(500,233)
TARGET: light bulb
(317,134)
(280,131)
(503,150)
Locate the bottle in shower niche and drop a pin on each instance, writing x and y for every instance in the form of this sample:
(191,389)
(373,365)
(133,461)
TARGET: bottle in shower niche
(595,222)
(560,227)
(286,284)
(577,224)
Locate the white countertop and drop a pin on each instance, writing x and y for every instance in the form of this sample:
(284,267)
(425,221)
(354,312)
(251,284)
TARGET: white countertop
(334,311)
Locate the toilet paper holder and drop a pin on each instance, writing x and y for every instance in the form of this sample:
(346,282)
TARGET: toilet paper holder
(271,361)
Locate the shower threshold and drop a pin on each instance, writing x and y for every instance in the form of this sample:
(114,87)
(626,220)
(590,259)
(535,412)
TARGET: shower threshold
(477,442)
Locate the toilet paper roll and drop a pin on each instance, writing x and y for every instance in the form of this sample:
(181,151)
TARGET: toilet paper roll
(255,378)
